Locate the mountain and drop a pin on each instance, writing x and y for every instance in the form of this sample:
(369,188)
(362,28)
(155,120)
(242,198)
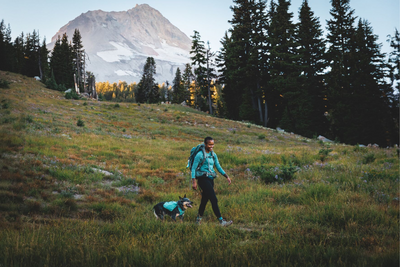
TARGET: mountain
(118,43)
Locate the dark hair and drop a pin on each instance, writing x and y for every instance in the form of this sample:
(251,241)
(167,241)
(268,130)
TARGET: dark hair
(207,139)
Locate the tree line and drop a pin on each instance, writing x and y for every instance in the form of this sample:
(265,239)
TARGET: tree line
(278,73)
(270,71)
(284,74)
(61,68)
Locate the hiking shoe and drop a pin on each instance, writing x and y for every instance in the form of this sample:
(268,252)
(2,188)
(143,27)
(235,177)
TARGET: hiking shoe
(225,223)
(198,220)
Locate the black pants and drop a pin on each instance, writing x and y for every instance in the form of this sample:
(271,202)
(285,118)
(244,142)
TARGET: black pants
(207,186)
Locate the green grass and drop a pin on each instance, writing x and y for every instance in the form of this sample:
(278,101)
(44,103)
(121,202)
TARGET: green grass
(294,201)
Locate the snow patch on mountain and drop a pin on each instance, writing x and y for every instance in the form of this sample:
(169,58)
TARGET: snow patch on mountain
(126,73)
(165,53)
(171,53)
(122,52)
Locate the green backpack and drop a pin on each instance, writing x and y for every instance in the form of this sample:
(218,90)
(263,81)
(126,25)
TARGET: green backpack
(193,152)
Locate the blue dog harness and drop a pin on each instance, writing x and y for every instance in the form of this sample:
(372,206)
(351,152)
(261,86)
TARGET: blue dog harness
(171,205)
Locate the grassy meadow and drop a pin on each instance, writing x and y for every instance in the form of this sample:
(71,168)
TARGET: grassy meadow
(79,178)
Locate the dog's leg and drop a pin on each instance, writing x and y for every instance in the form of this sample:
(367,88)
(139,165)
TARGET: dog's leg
(159,214)
(174,216)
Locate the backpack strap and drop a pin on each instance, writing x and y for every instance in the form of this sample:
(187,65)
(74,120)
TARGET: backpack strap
(204,158)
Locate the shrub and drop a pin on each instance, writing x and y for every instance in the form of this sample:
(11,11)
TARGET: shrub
(100,97)
(261,136)
(4,84)
(80,123)
(266,175)
(369,158)
(116,105)
(72,95)
(5,105)
(324,152)
(29,119)
(287,172)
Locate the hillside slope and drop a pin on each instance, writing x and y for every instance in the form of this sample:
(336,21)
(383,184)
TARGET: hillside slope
(78,180)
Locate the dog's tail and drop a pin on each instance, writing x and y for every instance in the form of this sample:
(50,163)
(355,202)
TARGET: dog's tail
(155,214)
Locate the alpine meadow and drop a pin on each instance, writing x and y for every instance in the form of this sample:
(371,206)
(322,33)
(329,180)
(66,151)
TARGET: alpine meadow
(79,179)
(305,124)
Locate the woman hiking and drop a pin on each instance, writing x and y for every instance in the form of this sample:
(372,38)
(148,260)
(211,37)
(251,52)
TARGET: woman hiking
(205,175)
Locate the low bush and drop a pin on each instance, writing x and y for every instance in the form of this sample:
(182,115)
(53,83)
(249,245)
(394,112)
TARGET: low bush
(4,84)
(72,95)
(369,158)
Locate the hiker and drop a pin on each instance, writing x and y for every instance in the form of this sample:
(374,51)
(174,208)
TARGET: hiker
(204,176)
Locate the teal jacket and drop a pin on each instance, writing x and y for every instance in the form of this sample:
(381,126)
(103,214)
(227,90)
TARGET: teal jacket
(207,167)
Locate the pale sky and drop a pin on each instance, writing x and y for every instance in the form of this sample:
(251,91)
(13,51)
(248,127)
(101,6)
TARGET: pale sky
(208,17)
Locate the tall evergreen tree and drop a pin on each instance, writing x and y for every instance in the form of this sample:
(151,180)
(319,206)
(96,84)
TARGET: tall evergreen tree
(222,61)
(44,67)
(237,52)
(147,89)
(393,89)
(179,93)
(7,55)
(187,78)
(339,82)
(19,49)
(284,70)
(199,62)
(370,119)
(78,58)
(258,61)
(309,108)
(31,55)
(61,62)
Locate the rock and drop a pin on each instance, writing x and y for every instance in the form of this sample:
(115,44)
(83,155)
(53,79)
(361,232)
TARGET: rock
(324,139)
(106,173)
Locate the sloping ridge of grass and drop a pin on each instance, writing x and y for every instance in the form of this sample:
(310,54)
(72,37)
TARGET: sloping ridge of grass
(79,178)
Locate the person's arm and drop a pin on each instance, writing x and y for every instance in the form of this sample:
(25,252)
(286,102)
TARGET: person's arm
(220,170)
(196,163)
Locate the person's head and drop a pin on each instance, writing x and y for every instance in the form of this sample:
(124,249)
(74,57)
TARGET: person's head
(209,143)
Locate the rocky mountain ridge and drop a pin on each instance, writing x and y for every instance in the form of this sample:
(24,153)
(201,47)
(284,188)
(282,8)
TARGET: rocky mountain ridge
(118,43)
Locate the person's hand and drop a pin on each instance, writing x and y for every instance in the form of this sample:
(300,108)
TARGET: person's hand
(194,184)
(228,179)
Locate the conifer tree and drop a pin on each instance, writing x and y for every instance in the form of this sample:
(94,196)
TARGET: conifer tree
(7,55)
(61,62)
(284,70)
(179,94)
(340,37)
(147,89)
(392,91)
(370,115)
(394,60)
(258,61)
(31,55)
(187,78)
(199,62)
(237,51)
(44,67)
(309,107)
(19,56)
(78,58)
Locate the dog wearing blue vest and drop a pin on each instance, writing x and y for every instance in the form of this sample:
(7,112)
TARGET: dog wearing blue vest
(173,209)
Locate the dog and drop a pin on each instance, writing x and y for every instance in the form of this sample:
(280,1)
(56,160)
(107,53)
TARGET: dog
(172,208)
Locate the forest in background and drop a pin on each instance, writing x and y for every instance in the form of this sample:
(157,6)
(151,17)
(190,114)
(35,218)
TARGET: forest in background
(270,71)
